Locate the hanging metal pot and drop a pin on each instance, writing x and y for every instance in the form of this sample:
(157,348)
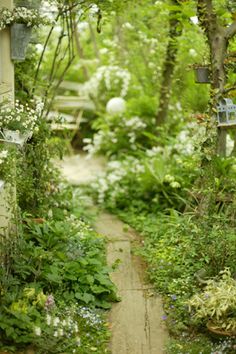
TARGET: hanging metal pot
(202,75)
(20,37)
(30,4)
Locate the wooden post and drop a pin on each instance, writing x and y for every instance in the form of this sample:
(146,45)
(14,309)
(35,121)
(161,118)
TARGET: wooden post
(7,198)
(221,142)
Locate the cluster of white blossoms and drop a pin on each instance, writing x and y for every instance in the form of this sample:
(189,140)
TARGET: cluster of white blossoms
(3,156)
(20,118)
(60,327)
(172,182)
(189,139)
(109,184)
(21,15)
(126,128)
(112,76)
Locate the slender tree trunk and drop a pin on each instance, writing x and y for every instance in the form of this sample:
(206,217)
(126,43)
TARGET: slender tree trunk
(175,31)
(80,50)
(218,44)
(94,41)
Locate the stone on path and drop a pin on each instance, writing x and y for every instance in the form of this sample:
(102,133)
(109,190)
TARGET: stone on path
(136,321)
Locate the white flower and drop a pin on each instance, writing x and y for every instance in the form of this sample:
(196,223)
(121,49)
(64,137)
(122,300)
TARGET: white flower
(194,20)
(37,331)
(127,25)
(78,341)
(175,184)
(192,52)
(48,319)
(60,332)
(169,178)
(103,50)
(3,154)
(56,321)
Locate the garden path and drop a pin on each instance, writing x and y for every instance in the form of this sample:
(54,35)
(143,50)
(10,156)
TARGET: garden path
(136,323)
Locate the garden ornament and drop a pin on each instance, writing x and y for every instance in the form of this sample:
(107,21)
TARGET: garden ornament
(116,105)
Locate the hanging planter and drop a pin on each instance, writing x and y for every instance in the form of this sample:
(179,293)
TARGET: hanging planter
(16,137)
(20,37)
(202,74)
(30,4)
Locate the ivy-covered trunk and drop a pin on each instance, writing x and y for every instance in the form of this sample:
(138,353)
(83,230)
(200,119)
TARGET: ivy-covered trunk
(218,39)
(175,31)
(215,143)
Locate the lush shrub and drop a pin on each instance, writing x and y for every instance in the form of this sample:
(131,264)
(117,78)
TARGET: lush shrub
(54,278)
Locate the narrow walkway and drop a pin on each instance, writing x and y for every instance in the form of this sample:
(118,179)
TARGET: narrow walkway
(136,322)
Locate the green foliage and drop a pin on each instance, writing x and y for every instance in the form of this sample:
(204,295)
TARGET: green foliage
(55,272)
(182,253)
(200,344)
(66,257)
(37,177)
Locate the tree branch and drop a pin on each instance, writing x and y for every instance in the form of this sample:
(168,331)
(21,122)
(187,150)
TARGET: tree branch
(231,31)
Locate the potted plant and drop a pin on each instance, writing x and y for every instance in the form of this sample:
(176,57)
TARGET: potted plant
(18,123)
(216,305)
(21,20)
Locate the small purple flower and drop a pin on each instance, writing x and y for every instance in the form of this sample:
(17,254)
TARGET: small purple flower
(50,302)
(164,317)
(174,297)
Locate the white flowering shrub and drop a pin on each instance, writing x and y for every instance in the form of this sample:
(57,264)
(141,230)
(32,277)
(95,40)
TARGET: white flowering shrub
(157,177)
(160,176)
(116,135)
(108,81)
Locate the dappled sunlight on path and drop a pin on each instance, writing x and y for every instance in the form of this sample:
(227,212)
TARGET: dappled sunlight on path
(78,169)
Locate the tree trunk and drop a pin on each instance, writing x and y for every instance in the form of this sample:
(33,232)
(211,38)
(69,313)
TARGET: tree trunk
(175,31)
(80,51)
(94,41)
(218,44)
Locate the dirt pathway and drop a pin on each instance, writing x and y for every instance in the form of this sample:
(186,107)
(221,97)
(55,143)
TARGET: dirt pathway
(136,322)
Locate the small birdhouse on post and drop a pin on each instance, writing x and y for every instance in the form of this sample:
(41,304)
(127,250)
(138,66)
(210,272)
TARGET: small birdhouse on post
(226,113)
